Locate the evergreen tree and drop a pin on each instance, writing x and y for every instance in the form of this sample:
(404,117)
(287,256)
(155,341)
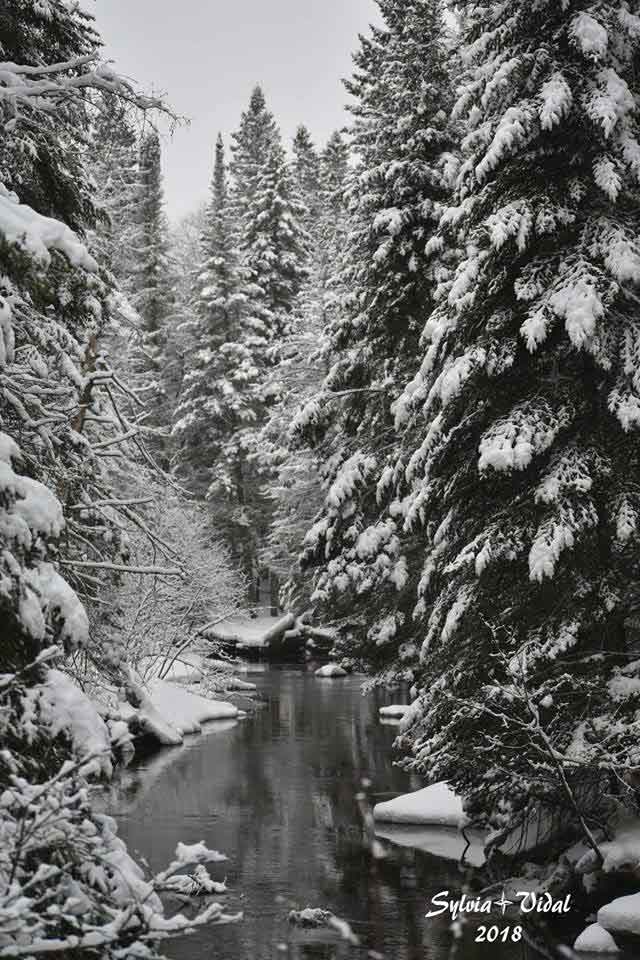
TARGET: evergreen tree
(251,146)
(153,296)
(331,230)
(114,167)
(295,486)
(151,293)
(401,135)
(58,416)
(522,490)
(220,395)
(307,175)
(274,247)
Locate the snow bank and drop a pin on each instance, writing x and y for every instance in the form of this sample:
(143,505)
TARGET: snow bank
(595,939)
(623,851)
(251,633)
(621,915)
(394,710)
(65,708)
(434,805)
(166,711)
(187,711)
(144,717)
(189,667)
(331,670)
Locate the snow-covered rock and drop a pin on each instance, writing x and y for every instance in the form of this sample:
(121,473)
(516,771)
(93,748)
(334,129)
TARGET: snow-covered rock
(621,915)
(186,711)
(144,718)
(436,804)
(623,851)
(166,711)
(394,710)
(331,670)
(595,939)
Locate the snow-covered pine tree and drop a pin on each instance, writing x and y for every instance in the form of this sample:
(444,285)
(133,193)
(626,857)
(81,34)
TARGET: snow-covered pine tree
(274,251)
(332,228)
(251,146)
(523,490)
(274,247)
(306,173)
(153,294)
(401,89)
(220,395)
(114,167)
(295,486)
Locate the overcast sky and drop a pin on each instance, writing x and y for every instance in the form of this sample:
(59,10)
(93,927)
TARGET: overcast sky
(208,54)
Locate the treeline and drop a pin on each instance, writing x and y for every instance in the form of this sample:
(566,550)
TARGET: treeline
(232,321)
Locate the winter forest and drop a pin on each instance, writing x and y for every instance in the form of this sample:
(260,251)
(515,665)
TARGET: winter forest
(320,507)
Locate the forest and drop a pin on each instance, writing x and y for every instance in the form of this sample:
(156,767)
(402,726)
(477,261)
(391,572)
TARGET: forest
(394,376)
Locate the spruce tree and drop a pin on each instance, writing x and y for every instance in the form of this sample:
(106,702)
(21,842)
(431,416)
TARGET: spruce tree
(295,484)
(522,489)
(114,167)
(220,392)
(306,172)
(153,297)
(274,246)
(401,135)
(251,146)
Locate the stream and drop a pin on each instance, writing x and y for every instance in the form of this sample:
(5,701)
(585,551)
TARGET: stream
(276,793)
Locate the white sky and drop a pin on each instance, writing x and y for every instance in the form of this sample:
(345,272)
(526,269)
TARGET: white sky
(207,55)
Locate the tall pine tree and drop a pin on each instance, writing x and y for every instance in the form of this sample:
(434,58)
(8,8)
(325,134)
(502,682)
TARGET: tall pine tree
(528,394)
(153,297)
(220,393)
(401,135)
(251,146)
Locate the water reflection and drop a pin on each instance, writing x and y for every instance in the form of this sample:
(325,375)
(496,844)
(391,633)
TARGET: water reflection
(276,793)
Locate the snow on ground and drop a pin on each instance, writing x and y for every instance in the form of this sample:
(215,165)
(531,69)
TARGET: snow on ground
(167,711)
(189,666)
(438,841)
(186,711)
(621,915)
(623,851)
(247,632)
(394,710)
(595,939)
(331,670)
(65,708)
(433,805)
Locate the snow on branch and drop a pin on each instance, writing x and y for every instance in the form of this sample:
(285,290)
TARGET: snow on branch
(44,88)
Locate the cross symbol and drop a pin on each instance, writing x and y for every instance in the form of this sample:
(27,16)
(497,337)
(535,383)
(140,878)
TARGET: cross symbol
(503,902)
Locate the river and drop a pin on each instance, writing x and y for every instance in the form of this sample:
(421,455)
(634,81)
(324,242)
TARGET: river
(276,793)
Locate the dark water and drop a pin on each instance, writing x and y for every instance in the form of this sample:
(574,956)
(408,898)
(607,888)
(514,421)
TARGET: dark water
(276,793)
